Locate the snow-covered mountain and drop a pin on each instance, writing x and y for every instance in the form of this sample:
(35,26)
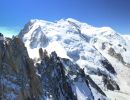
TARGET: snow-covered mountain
(101,54)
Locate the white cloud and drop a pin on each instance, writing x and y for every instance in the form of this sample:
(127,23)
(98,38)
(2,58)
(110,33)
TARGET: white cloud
(9,31)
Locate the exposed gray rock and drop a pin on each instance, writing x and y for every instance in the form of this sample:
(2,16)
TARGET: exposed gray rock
(18,80)
(110,84)
(60,76)
(108,66)
(118,56)
(103,46)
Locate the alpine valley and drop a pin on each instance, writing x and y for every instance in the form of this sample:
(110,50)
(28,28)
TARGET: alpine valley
(65,60)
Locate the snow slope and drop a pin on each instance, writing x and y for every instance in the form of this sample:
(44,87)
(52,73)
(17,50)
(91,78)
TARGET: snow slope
(86,45)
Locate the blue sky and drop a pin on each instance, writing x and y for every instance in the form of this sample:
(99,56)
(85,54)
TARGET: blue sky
(114,13)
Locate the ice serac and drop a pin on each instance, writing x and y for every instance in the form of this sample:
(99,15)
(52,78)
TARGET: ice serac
(101,52)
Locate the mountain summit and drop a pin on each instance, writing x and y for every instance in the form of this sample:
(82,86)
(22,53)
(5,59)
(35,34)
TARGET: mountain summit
(101,53)
(72,60)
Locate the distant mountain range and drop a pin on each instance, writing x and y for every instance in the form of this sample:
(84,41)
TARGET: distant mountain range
(65,60)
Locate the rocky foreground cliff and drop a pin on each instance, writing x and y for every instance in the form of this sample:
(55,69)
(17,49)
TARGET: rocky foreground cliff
(18,79)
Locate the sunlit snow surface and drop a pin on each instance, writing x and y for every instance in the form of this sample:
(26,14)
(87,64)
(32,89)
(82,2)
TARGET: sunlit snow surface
(82,43)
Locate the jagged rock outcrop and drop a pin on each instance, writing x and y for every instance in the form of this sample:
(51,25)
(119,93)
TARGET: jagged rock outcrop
(110,84)
(118,56)
(18,79)
(108,66)
(61,78)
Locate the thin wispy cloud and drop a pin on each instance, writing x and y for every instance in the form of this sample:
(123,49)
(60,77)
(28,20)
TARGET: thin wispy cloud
(9,31)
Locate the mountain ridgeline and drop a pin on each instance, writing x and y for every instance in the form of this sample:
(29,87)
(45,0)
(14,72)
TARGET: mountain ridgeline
(64,60)
(21,80)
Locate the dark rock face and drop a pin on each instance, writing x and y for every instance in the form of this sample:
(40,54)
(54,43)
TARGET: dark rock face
(103,46)
(110,84)
(118,56)
(108,66)
(60,77)
(91,82)
(41,53)
(18,79)
(108,81)
(1,35)
(55,84)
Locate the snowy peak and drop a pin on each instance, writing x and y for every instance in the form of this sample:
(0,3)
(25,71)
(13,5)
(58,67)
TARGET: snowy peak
(70,35)
(100,52)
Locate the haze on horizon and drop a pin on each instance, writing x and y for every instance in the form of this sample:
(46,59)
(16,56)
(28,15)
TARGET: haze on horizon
(113,13)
